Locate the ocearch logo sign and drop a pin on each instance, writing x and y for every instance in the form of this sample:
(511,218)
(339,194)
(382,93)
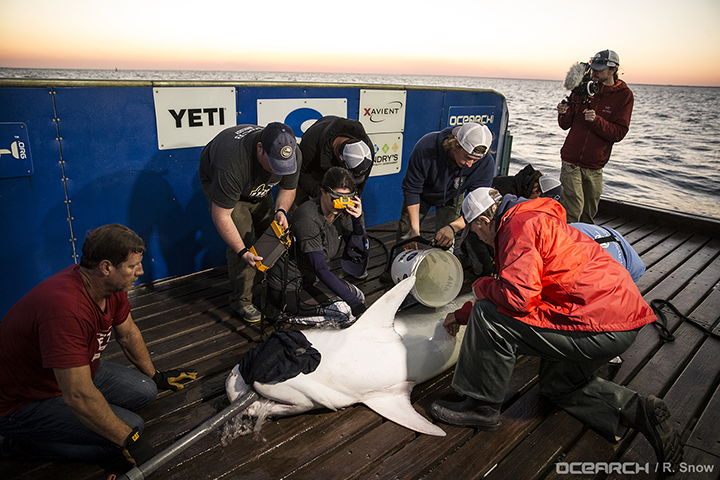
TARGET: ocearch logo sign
(478,114)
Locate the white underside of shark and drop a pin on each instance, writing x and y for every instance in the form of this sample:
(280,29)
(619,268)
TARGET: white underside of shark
(376,361)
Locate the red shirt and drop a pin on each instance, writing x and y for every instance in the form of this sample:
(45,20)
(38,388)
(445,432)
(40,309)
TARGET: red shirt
(56,325)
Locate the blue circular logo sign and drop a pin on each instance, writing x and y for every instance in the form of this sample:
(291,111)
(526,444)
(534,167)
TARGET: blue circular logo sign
(301,119)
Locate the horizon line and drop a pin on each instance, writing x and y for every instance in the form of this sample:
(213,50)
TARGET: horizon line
(303,72)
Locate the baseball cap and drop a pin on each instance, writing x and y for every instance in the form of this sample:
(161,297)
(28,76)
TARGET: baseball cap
(472,135)
(476,202)
(550,187)
(605,59)
(278,141)
(357,157)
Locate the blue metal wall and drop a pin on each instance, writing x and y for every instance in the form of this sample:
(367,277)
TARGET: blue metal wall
(96,161)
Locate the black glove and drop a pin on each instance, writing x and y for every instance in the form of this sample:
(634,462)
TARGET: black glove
(358,309)
(173,379)
(136,449)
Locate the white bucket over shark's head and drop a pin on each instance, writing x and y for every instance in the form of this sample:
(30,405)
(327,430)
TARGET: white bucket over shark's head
(438,273)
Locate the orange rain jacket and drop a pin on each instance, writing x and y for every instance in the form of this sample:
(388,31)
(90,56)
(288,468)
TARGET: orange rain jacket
(551,275)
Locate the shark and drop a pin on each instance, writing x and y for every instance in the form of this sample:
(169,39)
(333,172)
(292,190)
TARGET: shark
(376,361)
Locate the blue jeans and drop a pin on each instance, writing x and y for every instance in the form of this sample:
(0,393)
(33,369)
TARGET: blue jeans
(49,429)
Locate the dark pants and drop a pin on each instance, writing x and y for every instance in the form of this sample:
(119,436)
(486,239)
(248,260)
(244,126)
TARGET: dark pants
(250,219)
(567,369)
(49,429)
(443,216)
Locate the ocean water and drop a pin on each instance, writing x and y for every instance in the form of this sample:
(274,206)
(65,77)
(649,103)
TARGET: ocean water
(670,158)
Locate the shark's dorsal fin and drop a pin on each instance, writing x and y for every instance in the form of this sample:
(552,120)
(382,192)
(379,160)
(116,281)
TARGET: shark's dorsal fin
(382,312)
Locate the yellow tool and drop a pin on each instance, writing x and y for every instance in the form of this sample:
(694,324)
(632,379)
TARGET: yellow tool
(343,202)
(271,245)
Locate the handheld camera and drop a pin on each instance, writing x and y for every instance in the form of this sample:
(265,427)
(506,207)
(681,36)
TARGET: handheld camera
(343,202)
(579,81)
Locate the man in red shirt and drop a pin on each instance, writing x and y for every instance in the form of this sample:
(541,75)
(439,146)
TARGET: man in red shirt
(595,124)
(57,399)
(560,296)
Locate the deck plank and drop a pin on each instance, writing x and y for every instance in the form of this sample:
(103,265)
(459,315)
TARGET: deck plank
(706,435)
(187,322)
(697,459)
(532,457)
(484,450)
(686,397)
(662,262)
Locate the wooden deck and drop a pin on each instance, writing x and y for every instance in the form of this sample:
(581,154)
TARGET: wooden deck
(186,322)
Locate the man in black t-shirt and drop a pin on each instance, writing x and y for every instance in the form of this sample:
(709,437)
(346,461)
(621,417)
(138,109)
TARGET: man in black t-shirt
(334,142)
(237,170)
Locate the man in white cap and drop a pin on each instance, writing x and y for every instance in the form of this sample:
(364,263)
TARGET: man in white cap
(595,123)
(558,296)
(238,168)
(334,142)
(442,167)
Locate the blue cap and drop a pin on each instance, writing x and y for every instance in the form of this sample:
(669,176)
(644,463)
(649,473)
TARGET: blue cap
(279,143)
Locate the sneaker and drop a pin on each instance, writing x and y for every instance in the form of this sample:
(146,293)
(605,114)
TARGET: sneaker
(653,421)
(249,313)
(469,412)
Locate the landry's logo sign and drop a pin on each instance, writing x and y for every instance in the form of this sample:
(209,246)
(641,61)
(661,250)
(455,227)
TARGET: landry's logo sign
(380,114)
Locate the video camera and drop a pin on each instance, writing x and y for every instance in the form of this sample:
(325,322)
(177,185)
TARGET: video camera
(578,81)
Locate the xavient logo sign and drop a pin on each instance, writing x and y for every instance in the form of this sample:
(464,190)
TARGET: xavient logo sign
(382,111)
(380,114)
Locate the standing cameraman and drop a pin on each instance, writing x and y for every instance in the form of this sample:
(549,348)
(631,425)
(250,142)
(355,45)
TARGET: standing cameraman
(595,123)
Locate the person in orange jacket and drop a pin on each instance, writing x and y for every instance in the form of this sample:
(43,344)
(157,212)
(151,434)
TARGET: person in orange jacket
(560,296)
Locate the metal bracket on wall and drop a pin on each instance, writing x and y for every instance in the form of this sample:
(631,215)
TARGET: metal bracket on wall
(63,177)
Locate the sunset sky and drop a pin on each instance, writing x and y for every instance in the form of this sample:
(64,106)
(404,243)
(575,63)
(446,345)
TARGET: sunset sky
(659,41)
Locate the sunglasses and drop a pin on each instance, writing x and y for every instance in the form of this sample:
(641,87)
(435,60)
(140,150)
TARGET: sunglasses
(335,195)
(341,200)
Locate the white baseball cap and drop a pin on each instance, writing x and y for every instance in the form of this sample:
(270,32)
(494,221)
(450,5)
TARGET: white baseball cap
(472,135)
(476,202)
(357,157)
(550,187)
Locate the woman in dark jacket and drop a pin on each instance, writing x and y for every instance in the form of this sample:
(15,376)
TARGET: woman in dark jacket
(301,284)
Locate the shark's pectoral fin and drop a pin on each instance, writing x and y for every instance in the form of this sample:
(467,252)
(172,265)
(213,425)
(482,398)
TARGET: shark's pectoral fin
(396,406)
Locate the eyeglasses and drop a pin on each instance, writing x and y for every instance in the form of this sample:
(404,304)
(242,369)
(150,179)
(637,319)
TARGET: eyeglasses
(335,195)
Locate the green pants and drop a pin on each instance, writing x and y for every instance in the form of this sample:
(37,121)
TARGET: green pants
(250,219)
(567,369)
(443,216)
(582,188)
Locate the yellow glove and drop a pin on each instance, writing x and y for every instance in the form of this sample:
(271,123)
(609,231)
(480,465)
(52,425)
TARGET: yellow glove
(173,379)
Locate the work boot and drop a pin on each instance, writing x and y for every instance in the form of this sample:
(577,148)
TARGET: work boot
(469,412)
(249,313)
(652,419)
